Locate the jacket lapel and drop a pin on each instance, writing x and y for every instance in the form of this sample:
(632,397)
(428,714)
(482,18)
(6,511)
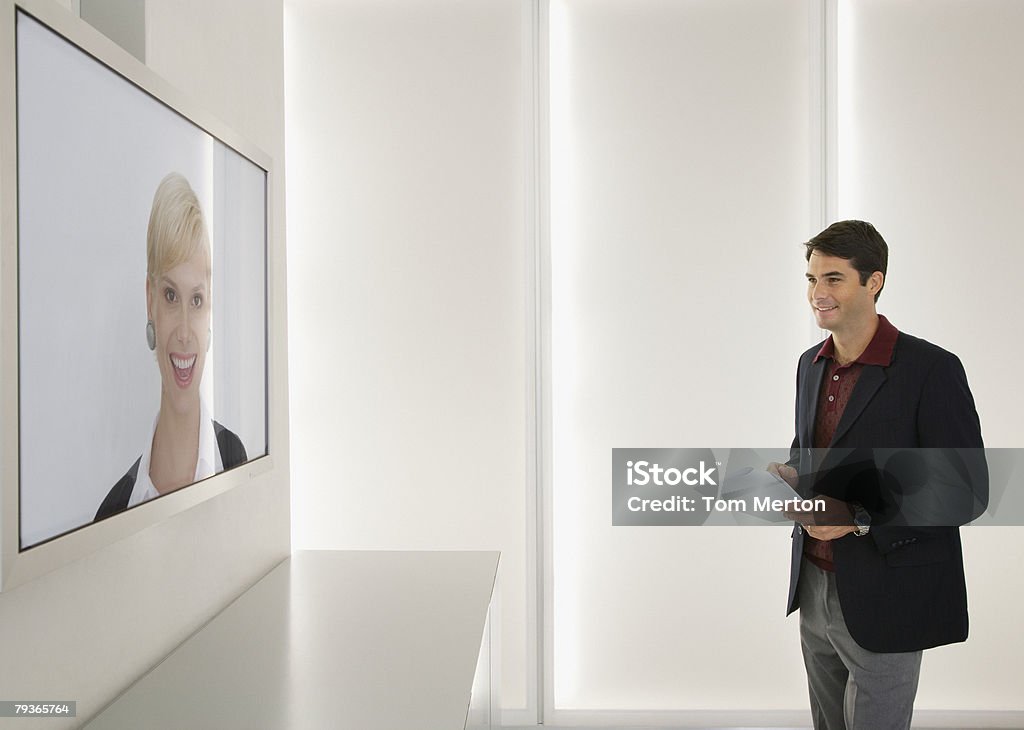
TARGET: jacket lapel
(871,379)
(809,400)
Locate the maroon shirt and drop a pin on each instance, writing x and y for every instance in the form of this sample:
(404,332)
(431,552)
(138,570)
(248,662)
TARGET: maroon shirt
(836,388)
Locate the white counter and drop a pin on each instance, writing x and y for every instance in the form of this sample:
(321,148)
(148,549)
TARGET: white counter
(328,639)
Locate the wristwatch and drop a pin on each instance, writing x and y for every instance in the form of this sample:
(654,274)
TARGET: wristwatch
(861,520)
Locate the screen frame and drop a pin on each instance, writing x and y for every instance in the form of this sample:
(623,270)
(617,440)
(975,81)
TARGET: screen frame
(19,566)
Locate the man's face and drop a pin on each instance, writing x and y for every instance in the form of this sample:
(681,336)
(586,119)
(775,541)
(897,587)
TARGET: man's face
(840,302)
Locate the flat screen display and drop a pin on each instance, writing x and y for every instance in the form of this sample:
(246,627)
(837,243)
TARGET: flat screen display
(142,295)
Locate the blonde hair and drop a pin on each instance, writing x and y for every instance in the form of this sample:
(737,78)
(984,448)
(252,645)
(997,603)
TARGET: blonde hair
(177,231)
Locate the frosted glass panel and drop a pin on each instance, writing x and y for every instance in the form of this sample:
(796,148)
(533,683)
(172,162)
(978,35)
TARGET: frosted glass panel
(931,110)
(680,154)
(931,151)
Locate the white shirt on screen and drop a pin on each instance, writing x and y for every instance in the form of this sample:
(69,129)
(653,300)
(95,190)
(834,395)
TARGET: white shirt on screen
(208,463)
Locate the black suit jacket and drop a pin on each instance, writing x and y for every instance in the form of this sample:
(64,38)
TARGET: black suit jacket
(901,587)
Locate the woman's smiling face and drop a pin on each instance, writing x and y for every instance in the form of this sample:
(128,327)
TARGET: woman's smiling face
(179,305)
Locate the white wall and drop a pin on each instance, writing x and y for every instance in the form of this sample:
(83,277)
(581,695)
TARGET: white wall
(686,174)
(85,631)
(407,258)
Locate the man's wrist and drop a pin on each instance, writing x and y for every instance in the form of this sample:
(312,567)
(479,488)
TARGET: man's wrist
(861,520)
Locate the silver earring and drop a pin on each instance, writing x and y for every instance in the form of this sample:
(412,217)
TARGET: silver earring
(150,335)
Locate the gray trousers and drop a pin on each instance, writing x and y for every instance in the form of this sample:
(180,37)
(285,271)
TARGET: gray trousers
(851,688)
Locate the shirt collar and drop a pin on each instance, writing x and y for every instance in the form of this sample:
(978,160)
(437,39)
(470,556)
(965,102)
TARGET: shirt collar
(209,455)
(879,350)
(208,463)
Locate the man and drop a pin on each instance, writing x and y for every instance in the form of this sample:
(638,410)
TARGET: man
(874,586)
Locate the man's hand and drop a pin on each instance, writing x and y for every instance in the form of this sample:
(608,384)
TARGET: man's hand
(829,533)
(833,523)
(784,472)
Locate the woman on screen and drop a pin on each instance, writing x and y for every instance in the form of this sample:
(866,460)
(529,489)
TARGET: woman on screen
(187,444)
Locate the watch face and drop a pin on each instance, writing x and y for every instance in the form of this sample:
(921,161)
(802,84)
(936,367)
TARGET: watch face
(862,520)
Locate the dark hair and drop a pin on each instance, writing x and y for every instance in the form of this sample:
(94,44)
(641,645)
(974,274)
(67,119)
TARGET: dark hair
(856,241)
